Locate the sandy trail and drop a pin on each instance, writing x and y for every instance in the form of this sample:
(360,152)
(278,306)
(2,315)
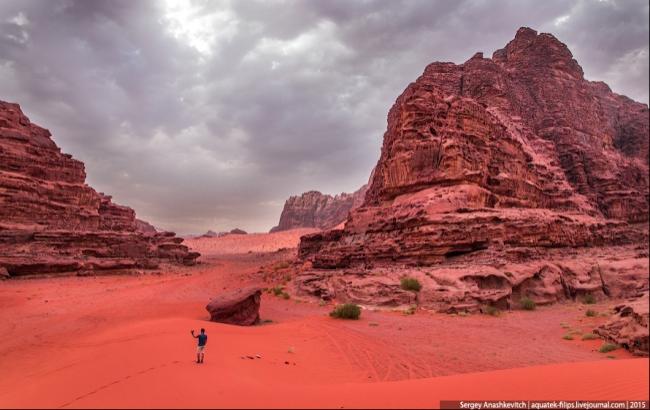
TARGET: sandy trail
(124,342)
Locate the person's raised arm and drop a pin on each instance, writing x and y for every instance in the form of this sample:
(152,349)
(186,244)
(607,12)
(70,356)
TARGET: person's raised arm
(192,332)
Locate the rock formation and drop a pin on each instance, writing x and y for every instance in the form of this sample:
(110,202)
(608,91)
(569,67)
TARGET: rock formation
(629,326)
(239,307)
(52,222)
(145,227)
(315,210)
(210,234)
(213,234)
(498,179)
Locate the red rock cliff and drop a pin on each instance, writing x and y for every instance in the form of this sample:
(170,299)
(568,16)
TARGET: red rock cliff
(498,178)
(315,210)
(52,222)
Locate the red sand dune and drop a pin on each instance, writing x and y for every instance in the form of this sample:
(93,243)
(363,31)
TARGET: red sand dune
(148,364)
(124,341)
(252,242)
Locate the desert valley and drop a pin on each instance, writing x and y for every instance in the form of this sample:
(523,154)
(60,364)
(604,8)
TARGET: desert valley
(499,251)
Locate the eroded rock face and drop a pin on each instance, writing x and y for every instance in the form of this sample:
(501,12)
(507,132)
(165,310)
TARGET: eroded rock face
(239,307)
(52,222)
(629,326)
(315,210)
(145,227)
(494,177)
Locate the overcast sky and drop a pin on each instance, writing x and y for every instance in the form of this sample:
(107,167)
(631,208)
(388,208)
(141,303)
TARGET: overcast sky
(209,114)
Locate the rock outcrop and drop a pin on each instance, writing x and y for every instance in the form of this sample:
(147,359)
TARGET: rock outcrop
(629,326)
(315,210)
(498,178)
(239,307)
(145,227)
(213,234)
(51,221)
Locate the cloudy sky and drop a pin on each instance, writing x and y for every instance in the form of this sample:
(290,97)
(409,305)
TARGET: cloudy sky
(208,114)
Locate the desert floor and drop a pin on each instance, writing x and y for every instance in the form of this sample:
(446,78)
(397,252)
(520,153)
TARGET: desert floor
(124,341)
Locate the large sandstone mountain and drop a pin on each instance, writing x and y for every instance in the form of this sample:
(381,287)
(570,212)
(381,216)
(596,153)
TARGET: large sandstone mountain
(52,222)
(500,178)
(315,210)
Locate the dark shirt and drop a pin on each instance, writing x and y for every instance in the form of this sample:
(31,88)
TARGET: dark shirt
(203,339)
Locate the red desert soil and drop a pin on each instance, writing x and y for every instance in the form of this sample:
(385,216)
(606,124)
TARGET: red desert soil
(252,242)
(123,341)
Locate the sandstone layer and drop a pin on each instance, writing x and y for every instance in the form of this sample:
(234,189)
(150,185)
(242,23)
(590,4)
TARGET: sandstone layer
(145,227)
(316,210)
(499,179)
(52,222)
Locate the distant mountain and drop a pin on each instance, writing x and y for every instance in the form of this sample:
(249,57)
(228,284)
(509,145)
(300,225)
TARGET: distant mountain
(316,210)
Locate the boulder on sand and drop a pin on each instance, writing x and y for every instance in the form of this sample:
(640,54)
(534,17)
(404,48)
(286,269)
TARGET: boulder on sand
(239,307)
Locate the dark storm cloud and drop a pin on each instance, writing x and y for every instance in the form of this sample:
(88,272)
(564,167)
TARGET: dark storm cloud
(207,115)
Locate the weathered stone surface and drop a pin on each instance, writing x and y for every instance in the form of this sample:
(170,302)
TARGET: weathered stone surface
(51,221)
(315,210)
(629,326)
(514,164)
(145,227)
(238,307)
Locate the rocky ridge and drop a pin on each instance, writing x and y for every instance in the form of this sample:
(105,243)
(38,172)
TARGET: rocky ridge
(313,209)
(213,234)
(52,222)
(499,178)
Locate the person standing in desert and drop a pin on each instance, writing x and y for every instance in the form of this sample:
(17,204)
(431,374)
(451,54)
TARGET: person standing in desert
(200,350)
